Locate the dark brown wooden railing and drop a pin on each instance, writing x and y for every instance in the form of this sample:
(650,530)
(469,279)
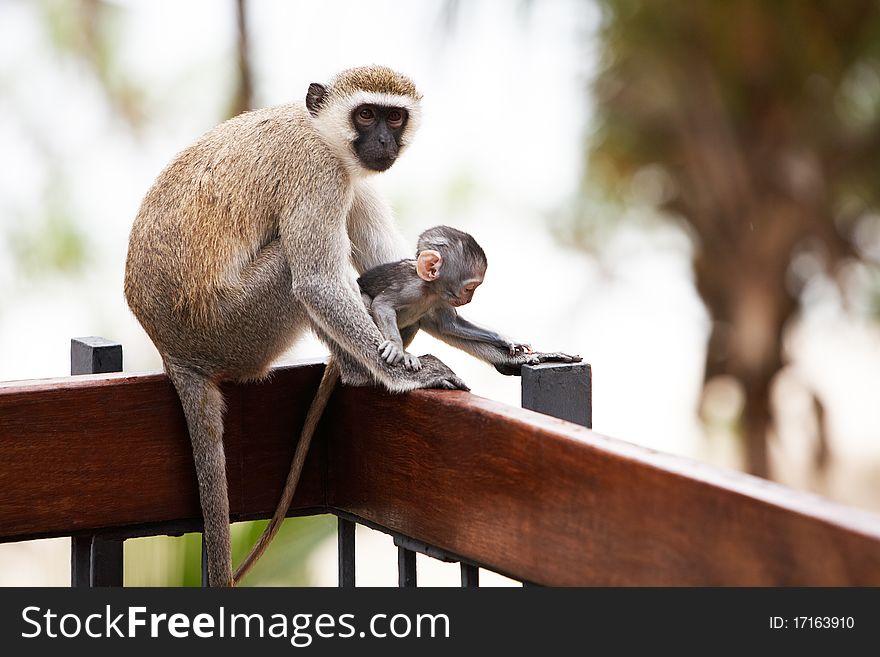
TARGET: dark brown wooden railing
(106,457)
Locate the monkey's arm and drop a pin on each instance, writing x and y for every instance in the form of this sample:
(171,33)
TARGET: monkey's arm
(436,323)
(334,307)
(385,316)
(453,325)
(393,350)
(320,281)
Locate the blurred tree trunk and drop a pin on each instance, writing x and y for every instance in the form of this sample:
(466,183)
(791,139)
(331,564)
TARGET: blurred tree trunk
(243,98)
(746,295)
(748,225)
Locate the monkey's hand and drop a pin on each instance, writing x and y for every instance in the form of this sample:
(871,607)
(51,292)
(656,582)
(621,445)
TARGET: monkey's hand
(411,362)
(513,367)
(391,352)
(435,374)
(516,349)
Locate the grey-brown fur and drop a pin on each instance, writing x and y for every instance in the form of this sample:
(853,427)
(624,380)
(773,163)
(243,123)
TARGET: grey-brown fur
(402,301)
(400,294)
(249,237)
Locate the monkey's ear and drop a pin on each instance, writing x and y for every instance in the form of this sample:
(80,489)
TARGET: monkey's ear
(428,264)
(315,97)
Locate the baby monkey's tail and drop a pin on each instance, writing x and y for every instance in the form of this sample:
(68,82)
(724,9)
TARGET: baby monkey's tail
(316,410)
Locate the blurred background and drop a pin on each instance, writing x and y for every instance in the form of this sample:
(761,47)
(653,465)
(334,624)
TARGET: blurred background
(686,194)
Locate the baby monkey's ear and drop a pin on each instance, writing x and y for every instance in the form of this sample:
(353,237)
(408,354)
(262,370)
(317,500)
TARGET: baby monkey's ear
(428,264)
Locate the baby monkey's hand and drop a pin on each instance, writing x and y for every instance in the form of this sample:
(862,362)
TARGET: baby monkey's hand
(392,353)
(517,349)
(411,362)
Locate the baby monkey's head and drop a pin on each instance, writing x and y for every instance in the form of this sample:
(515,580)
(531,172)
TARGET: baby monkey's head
(452,261)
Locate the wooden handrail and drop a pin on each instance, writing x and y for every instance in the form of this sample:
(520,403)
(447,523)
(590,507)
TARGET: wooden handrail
(101,451)
(537,498)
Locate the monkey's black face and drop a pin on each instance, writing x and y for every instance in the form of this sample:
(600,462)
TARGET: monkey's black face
(380,131)
(458,290)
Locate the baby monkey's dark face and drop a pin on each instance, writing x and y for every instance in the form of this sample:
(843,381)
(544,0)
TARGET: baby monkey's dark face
(452,263)
(380,131)
(464,294)
(458,284)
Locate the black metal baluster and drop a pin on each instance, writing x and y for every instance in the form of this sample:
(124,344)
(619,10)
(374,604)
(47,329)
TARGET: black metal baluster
(81,561)
(106,561)
(406,568)
(205,581)
(563,390)
(470,575)
(345,540)
(95,561)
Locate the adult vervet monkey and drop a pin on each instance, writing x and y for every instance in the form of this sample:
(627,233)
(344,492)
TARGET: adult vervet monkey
(252,235)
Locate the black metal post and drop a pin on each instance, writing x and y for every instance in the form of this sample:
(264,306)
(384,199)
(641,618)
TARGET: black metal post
(95,561)
(406,568)
(205,580)
(563,390)
(93,355)
(345,531)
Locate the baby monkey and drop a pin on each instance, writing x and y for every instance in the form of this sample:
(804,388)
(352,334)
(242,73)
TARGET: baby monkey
(402,297)
(448,268)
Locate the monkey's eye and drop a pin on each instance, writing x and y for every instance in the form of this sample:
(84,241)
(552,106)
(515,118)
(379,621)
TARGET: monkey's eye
(395,118)
(365,116)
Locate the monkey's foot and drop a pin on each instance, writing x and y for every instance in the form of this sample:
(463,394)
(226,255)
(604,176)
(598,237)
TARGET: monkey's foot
(517,348)
(435,374)
(411,362)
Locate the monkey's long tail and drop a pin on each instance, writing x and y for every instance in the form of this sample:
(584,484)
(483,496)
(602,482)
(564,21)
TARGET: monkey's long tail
(203,407)
(316,410)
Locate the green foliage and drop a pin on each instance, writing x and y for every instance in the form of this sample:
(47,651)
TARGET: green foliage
(753,112)
(176,561)
(284,563)
(788,74)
